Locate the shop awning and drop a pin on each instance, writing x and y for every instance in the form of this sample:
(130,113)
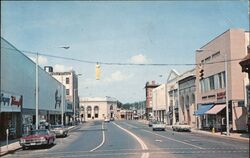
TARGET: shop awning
(216,109)
(202,109)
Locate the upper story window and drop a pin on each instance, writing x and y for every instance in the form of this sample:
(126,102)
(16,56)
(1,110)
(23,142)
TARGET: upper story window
(207,59)
(216,54)
(67,80)
(67,91)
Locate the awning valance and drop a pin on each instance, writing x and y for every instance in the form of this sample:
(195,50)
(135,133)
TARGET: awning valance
(216,109)
(202,109)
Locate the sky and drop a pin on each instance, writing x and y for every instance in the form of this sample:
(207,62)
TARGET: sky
(140,32)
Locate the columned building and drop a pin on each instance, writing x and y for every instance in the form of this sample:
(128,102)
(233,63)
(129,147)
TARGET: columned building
(187,98)
(172,109)
(222,81)
(98,108)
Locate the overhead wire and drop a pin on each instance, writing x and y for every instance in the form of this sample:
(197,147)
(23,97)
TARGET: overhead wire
(119,63)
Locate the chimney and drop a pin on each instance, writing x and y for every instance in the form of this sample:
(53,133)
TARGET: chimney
(153,82)
(48,69)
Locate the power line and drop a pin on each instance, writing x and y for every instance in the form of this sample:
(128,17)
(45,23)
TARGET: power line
(121,64)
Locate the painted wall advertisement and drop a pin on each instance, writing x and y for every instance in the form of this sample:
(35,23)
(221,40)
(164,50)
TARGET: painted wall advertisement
(10,102)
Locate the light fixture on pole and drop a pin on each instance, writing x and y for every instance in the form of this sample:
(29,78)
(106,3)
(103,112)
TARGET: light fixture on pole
(74,98)
(226,86)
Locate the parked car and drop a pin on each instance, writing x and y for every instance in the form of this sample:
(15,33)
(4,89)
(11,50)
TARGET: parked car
(106,120)
(38,138)
(59,130)
(181,127)
(157,125)
(150,123)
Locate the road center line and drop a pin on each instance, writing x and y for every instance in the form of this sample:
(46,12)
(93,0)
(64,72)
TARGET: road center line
(103,140)
(132,126)
(173,139)
(143,145)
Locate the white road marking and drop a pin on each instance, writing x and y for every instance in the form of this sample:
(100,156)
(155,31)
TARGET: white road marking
(129,125)
(157,140)
(174,139)
(143,145)
(103,140)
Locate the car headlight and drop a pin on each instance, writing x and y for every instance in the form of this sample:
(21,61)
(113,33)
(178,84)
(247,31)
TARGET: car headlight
(22,140)
(43,139)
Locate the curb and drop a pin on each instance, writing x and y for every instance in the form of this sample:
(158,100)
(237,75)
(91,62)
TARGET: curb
(9,151)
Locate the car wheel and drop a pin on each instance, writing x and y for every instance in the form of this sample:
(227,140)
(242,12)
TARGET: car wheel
(24,148)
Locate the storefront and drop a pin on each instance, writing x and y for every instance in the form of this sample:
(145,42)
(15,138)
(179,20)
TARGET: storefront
(10,117)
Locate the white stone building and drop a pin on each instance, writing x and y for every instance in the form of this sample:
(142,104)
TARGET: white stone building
(98,108)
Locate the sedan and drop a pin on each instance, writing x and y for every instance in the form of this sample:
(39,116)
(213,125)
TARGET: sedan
(157,125)
(38,138)
(181,127)
(59,130)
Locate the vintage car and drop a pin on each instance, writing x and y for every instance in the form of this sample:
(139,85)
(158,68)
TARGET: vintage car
(37,138)
(106,120)
(59,130)
(181,127)
(157,125)
(150,123)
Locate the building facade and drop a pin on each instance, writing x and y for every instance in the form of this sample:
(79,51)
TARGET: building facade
(149,105)
(70,81)
(187,90)
(172,109)
(98,108)
(18,93)
(160,102)
(222,78)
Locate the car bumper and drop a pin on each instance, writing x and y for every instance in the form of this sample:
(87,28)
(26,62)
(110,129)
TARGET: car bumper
(37,143)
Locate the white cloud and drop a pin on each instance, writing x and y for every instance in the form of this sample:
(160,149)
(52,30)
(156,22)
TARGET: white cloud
(41,60)
(118,76)
(62,68)
(139,59)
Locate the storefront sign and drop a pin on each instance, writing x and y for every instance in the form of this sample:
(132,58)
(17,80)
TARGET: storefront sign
(221,95)
(10,103)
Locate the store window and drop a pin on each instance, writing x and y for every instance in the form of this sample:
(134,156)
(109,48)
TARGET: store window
(96,111)
(89,109)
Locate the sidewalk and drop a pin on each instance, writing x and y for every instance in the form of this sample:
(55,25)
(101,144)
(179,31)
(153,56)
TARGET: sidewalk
(239,136)
(14,145)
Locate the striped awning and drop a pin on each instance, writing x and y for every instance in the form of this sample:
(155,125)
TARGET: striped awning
(216,109)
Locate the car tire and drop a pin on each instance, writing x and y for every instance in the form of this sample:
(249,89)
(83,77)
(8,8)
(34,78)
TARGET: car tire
(24,147)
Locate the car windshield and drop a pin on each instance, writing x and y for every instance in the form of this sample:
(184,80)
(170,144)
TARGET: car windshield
(56,126)
(38,132)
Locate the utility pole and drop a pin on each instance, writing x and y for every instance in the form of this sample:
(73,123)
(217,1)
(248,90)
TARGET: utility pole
(37,91)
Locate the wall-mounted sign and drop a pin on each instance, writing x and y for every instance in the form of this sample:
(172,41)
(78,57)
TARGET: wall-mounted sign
(10,102)
(57,99)
(221,95)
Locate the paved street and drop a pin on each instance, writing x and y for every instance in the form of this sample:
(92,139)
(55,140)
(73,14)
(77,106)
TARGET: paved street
(137,140)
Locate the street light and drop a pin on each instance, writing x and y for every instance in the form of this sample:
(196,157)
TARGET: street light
(226,85)
(74,99)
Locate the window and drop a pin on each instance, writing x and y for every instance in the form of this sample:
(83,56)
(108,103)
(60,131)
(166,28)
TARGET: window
(207,59)
(89,111)
(96,111)
(67,80)
(67,91)
(216,54)
(211,82)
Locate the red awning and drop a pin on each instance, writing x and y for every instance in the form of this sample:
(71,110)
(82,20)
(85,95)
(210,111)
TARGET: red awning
(216,109)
